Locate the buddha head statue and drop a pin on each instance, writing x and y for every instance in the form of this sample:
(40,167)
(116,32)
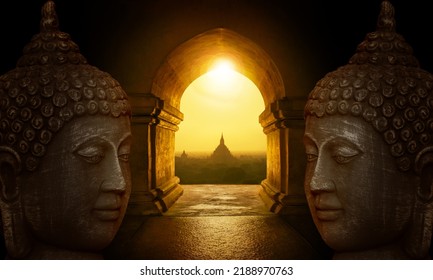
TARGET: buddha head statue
(369,146)
(64,145)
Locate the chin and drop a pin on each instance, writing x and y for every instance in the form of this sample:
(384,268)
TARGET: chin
(338,237)
(352,243)
(93,239)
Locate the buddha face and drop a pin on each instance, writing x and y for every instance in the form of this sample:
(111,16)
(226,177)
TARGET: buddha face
(357,197)
(78,196)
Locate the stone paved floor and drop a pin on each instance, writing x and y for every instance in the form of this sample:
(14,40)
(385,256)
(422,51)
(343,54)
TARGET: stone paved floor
(218,222)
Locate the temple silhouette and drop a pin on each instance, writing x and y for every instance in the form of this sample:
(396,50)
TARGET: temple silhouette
(221,167)
(222,154)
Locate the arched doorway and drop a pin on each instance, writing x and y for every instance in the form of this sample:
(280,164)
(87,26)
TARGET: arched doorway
(220,140)
(156,117)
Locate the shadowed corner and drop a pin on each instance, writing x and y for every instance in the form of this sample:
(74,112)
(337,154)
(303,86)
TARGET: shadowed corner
(2,247)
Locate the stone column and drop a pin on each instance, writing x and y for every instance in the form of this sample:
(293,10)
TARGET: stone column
(154,184)
(282,190)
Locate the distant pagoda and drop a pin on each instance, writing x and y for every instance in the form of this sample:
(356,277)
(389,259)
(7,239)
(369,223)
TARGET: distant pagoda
(222,154)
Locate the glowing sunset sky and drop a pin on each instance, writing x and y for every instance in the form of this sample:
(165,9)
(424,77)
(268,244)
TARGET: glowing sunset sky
(221,101)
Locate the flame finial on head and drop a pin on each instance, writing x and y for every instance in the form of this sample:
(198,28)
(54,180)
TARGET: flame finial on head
(49,21)
(385,46)
(386,19)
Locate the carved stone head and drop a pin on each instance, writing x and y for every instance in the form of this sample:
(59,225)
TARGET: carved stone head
(369,145)
(64,145)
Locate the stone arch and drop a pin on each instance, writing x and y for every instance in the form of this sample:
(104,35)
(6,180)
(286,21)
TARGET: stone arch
(156,117)
(193,58)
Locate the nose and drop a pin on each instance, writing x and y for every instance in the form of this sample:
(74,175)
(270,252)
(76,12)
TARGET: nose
(115,179)
(320,184)
(321,180)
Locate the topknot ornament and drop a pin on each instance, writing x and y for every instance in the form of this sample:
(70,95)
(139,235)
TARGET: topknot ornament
(49,21)
(386,20)
(385,46)
(51,85)
(384,85)
(50,46)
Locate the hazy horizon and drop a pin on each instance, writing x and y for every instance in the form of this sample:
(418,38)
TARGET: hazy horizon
(201,154)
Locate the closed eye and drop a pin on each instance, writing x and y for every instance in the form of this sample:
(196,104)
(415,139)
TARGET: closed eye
(343,159)
(124,157)
(310,148)
(92,159)
(311,157)
(91,151)
(91,154)
(344,153)
(125,149)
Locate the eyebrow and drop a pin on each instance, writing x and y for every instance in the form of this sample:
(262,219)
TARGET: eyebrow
(338,140)
(94,139)
(126,138)
(309,138)
(335,140)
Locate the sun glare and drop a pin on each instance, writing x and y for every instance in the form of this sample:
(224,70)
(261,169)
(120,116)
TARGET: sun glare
(221,101)
(222,77)
(222,69)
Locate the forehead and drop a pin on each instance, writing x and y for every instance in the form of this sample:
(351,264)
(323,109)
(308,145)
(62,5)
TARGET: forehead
(107,127)
(347,127)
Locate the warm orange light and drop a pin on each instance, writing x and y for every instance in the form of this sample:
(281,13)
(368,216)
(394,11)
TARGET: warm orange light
(221,101)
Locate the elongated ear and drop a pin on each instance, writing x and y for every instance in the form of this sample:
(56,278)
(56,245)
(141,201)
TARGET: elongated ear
(424,168)
(18,243)
(10,167)
(420,235)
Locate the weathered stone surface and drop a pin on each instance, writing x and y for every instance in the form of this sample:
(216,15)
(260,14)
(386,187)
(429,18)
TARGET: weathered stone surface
(369,151)
(64,151)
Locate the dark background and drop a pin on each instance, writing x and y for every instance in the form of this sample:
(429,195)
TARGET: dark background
(129,38)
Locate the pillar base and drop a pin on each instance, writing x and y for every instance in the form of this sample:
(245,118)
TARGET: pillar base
(142,203)
(167,194)
(280,203)
(270,197)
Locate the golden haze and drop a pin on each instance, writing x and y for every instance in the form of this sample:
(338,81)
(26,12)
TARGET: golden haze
(221,101)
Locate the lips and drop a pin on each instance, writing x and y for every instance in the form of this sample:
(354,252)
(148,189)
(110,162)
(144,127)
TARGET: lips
(328,214)
(108,208)
(328,207)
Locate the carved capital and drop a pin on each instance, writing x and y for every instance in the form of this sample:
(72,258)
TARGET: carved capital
(149,109)
(283,113)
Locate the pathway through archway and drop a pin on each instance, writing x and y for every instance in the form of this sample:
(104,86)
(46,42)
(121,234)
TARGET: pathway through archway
(157,117)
